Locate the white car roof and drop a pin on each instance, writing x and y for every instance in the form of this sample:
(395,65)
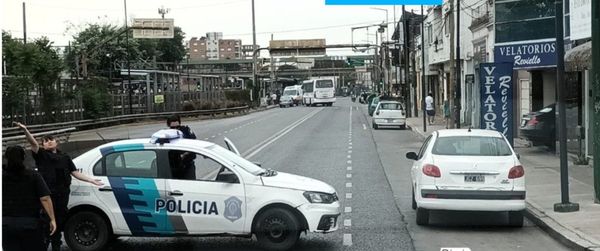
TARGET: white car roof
(179,142)
(465,132)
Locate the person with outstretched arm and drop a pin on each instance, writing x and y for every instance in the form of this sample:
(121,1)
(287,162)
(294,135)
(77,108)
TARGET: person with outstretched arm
(56,167)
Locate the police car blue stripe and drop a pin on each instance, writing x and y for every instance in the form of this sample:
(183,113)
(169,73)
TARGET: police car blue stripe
(121,148)
(136,198)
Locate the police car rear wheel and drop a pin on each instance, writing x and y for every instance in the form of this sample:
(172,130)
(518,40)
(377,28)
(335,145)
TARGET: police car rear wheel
(86,231)
(277,229)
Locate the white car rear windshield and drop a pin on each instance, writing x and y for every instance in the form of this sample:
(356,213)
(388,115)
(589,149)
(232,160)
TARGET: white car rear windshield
(324,84)
(290,92)
(471,146)
(390,106)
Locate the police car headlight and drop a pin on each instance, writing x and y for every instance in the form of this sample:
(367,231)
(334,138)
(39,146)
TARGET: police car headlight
(316,197)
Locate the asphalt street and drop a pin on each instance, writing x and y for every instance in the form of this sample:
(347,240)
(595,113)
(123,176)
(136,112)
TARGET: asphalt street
(366,167)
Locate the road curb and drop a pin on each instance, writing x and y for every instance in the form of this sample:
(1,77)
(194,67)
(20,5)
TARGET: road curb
(569,237)
(416,130)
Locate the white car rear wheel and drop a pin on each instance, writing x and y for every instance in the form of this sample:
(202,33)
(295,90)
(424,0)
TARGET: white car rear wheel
(515,218)
(422,216)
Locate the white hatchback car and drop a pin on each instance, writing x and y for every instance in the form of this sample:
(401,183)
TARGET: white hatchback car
(389,113)
(467,170)
(168,186)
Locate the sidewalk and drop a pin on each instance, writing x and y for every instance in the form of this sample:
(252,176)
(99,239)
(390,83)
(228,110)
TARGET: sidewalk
(579,230)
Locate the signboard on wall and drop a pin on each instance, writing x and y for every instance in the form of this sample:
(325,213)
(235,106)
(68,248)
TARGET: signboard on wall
(581,19)
(527,55)
(497,98)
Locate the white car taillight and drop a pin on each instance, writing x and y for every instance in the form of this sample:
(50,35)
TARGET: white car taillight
(516,172)
(432,170)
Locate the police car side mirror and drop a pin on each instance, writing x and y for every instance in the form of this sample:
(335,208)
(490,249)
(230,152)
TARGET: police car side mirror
(518,156)
(228,177)
(258,163)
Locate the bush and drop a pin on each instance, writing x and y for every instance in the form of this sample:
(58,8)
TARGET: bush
(240,96)
(97,101)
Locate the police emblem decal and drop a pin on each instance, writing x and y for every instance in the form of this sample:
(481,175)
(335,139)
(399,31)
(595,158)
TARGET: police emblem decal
(233,209)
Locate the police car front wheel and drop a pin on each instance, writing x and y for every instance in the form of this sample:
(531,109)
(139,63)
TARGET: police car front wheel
(86,231)
(277,229)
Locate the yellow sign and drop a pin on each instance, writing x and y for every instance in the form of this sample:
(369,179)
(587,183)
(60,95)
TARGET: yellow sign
(159,99)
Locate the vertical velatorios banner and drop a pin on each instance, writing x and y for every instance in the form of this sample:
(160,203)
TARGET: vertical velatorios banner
(497,98)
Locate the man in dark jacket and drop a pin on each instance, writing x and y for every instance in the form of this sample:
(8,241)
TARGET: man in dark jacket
(56,167)
(182,163)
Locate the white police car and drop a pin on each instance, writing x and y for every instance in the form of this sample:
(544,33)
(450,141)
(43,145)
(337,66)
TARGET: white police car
(162,187)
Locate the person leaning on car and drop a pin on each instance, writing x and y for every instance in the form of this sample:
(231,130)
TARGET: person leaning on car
(24,193)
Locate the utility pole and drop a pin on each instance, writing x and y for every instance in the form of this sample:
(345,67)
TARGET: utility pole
(406,85)
(595,77)
(24,25)
(376,63)
(413,85)
(128,63)
(423,85)
(457,94)
(565,205)
(450,81)
(272,67)
(254,84)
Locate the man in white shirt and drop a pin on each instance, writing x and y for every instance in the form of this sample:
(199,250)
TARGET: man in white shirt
(430,108)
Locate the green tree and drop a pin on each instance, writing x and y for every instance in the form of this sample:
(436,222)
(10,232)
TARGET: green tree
(31,66)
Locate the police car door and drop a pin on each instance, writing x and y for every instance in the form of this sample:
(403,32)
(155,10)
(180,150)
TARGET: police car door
(206,193)
(131,189)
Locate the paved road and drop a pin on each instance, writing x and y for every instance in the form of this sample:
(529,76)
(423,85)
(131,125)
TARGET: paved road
(334,144)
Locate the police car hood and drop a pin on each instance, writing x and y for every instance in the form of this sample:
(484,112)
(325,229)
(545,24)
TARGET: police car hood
(291,181)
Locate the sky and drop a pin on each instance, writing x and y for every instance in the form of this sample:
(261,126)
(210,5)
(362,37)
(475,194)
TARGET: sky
(59,20)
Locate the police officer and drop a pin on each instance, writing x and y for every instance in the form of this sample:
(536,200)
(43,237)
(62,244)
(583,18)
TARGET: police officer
(56,168)
(174,122)
(24,192)
(182,163)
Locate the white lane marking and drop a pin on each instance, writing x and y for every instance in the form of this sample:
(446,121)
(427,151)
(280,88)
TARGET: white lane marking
(347,240)
(349,161)
(349,184)
(349,147)
(347,223)
(348,195)
(349,151)
(348,175)
(348,210)
(350,143)
(219,134)
(349,168)
(205,138)
(349,156)
(251,152)
(364,127)
(213,136)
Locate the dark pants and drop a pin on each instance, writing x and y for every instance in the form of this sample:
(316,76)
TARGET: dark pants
(20,233)
(60,200)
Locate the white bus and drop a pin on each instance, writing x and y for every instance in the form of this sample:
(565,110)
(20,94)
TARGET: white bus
(318,91)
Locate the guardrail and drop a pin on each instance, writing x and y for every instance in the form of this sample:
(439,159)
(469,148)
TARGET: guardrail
(37,130)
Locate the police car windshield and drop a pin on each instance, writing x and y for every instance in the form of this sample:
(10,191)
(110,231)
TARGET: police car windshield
(241,162)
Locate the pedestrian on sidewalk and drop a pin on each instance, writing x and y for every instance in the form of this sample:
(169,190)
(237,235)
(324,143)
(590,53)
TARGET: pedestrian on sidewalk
(24,193)
(447,113)
(430,108)
(56,167)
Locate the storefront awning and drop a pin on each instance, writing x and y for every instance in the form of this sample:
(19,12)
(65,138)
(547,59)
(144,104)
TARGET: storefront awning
(579,58)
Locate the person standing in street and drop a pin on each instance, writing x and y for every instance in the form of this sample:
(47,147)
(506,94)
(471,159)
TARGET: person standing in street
(24,193)
(430,108)
(56,168)
(174,122)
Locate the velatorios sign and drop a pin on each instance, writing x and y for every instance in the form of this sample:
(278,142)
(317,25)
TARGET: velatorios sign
(527,55)
(497,98)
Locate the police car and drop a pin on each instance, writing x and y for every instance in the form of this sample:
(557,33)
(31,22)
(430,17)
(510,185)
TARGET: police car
(167,186)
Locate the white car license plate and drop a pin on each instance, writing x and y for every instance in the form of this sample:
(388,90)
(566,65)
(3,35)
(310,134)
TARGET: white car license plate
(474,178)
(390,120)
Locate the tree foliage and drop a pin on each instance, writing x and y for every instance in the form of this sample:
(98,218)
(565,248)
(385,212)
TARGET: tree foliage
(105,44)
(31,66)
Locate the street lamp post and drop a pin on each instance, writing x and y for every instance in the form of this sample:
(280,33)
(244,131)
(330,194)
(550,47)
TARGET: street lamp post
(128,63)
(254,54)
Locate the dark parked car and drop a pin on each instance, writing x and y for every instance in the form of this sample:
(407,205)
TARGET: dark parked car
(540,127)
